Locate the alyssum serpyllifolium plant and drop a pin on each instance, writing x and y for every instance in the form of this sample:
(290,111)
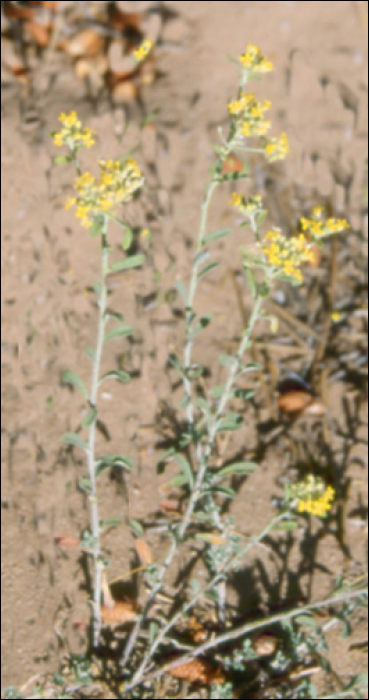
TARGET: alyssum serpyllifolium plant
(275,257)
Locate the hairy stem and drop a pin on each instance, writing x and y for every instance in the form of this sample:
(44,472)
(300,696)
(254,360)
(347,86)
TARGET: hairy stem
(94,513)
(248,628)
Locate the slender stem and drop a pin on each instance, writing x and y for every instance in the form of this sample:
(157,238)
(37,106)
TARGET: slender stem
(94,513)
(202,459)
(189,414)
(206,454)
(217,578)
(238,632)
(190,300)
(137,628)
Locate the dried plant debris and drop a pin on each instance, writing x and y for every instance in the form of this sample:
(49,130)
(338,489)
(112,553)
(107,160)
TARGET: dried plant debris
(109,47)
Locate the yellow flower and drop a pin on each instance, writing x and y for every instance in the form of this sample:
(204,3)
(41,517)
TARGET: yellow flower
(318,227)
(336,225)
(249,114)
(58,139)
(336,316)
(318,212)
(141,52)
(70,202)
(277,148)
(312,496)
(287,255)
(70,119)
(238,200)
(72,134)
(118,183)
(253,60)
(252,205)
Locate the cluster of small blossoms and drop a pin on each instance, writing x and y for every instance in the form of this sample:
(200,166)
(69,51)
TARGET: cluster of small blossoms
(287,254)
(251,205)
(254,60)
(276,148)
(249,115)
(318,226)
(312,496)
(73,134)
(118,183)
(143,50)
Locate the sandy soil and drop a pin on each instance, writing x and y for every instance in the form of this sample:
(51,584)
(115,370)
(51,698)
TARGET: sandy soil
(319,97)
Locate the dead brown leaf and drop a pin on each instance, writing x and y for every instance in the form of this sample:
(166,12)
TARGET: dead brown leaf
(123,611)
(144,552)
(198,671)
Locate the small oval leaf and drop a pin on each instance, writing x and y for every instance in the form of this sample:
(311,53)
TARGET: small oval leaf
(74,439)
(119,332)
(72,378)
(251,281)
(238,468)
(85,484)
(221,233)
(181,289)
(123,377)
(113,461)
(98,224)
(127,238)
(226,360)
(136,528)
(89,418)
(208,268)
(231,422)
(127,263)
(186,468)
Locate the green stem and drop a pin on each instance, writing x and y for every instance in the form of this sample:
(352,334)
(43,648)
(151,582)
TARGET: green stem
(190,300)
(246,629)
(94,513)
(202,455)
(210,585)
(228,389)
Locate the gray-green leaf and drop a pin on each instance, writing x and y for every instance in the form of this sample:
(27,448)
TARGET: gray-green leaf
(181,288)
(186,468)
(251,280)
(231,422)
(127,263)
(216,234)
(72,378)
(113,461)
(238,468)
(119,332)
(74,439)
(85,484)
(117,374)
(97,225)
(89,418)
(208,268)
(136,527)
(226,360)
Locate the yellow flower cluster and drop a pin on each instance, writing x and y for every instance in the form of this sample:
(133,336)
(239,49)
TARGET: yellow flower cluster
(319,227)
(312,496)
(254,60)
(287,254)
(252,205)
(143,50)
(277,148)
(249,113)
(118,183)
(72,134)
